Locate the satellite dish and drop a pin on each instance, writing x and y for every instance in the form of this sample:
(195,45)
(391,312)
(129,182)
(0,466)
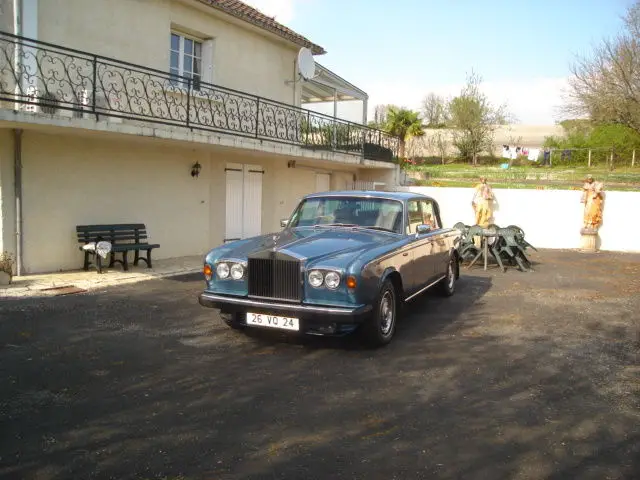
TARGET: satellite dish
(306,64)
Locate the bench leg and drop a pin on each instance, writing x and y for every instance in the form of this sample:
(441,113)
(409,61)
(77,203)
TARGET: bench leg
(86,261)
(98,263)
(125,260)
(136,258)
(146,260)
(112,259)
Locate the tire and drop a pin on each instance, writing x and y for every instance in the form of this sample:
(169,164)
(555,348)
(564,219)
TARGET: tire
(447,285)
(232,320)
(380,328)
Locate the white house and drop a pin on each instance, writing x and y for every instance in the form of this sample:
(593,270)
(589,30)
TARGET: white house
(107,108)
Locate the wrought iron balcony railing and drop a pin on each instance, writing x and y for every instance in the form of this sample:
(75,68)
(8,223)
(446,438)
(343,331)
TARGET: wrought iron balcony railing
(42,77)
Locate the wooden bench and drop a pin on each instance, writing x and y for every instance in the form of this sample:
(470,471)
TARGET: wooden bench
(123,237)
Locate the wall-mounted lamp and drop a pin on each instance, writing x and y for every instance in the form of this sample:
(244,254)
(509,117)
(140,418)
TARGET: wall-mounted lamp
(195,170)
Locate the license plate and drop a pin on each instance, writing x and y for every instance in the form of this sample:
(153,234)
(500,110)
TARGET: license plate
(273,321)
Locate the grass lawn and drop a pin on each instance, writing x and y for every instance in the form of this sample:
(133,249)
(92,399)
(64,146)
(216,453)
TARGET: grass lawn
(464,175)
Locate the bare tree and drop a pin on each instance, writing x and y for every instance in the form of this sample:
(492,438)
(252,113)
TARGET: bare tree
(605,86)
(474,119)
(439,142)
(434,111)
(380,116)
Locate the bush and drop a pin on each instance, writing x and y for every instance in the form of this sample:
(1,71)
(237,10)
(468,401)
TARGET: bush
(6,263)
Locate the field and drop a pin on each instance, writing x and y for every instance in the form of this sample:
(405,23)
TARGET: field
(555,178)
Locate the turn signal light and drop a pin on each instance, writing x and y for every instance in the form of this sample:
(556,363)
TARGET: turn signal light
(351,282)
(207,272)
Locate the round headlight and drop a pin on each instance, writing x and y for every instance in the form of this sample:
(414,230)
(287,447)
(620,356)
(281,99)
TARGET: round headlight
(222,270)
(237,271)
(332,280)
(316,278)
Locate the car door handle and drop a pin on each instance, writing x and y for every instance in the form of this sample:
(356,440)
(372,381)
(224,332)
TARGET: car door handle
(405,254)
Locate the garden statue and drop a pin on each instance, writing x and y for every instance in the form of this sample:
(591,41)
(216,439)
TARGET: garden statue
(593,199)
(482,203)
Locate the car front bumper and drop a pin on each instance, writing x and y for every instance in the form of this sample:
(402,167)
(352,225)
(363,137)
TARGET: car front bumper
(312,317)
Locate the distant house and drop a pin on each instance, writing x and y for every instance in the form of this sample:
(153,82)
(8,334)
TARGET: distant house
(184,115)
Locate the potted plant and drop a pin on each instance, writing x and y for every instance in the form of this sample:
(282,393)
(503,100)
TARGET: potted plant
(6,268)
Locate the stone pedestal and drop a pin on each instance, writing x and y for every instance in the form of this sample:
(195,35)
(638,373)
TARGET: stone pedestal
(588,240)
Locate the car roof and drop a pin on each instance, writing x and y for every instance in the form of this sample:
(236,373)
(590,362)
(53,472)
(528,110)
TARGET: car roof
(401,196)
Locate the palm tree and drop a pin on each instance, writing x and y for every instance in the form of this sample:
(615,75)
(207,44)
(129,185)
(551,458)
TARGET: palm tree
(403,123)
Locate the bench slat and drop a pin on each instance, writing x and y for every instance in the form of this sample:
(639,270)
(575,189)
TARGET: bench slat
(133,246)
(118,226)
(91,238)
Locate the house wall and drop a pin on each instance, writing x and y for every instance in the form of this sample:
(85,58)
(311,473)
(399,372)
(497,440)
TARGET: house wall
(70,180)
(138,31)
(550,218)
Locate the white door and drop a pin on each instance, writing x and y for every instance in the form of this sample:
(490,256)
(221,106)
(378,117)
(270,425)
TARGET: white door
(323,182)
(252,208)
(234,202)
(243,201)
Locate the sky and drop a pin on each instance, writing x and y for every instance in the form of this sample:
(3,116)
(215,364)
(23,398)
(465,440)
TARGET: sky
(399,51)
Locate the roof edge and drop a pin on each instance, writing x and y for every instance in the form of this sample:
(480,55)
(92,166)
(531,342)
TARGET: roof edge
(255,17)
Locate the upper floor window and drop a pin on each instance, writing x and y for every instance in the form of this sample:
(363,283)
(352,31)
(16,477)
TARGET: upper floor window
(185,59)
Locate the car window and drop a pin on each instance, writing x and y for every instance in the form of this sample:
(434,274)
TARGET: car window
(415,217)
(428,214)
(421,212)
(378,213)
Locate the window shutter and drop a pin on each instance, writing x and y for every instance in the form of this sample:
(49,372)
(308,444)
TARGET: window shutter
(207,61)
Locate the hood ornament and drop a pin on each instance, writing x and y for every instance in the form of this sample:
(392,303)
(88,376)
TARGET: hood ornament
(275,242)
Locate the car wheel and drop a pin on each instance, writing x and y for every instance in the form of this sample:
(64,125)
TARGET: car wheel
(232,320)
(447,286)
(381,326)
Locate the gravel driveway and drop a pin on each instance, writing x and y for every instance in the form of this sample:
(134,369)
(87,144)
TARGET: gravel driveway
(519,376)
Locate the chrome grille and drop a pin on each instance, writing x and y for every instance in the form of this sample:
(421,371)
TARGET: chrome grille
(274,278)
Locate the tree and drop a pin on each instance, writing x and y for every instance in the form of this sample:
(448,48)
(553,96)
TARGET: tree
(440,143)
(434,111)
(605,86)
(379,116)
(403,123)
(474,119)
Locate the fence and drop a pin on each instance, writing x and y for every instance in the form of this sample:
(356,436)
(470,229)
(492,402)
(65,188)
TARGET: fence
(593,157)
(40,77)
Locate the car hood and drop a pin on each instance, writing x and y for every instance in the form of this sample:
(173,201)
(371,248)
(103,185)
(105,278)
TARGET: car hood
(311,245)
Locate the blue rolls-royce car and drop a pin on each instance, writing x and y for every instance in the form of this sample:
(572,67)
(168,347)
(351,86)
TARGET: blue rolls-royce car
(344,261)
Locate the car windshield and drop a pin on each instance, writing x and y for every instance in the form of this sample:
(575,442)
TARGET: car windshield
(375,213)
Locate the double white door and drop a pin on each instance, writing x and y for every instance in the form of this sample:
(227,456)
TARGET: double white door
(243,201)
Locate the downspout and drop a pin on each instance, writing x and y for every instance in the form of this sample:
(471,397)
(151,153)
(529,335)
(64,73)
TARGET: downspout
(17,137)
(17,172)
(17,52)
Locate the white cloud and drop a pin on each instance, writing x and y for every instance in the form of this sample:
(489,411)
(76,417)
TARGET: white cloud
(282,10)
(533,101)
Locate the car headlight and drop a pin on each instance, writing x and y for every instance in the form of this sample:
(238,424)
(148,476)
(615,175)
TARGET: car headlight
(222,270)
(237,271)
(332,280)
(316,278)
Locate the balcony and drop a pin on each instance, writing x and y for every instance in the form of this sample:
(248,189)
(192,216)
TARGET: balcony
(44,78)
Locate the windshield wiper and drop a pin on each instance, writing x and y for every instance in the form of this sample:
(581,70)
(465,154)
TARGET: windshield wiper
(375,227)
(336,225)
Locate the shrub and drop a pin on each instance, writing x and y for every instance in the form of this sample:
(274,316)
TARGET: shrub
(6,263)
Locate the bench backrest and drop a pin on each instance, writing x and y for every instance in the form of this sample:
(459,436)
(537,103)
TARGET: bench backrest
(117,234)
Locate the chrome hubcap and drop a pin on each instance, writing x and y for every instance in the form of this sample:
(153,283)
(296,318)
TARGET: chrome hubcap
(387,311)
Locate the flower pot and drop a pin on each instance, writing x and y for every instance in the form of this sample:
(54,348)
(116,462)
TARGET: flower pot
(5,278)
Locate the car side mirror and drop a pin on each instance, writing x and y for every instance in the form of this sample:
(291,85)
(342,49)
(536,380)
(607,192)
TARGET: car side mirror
(422,229)
(284,222)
